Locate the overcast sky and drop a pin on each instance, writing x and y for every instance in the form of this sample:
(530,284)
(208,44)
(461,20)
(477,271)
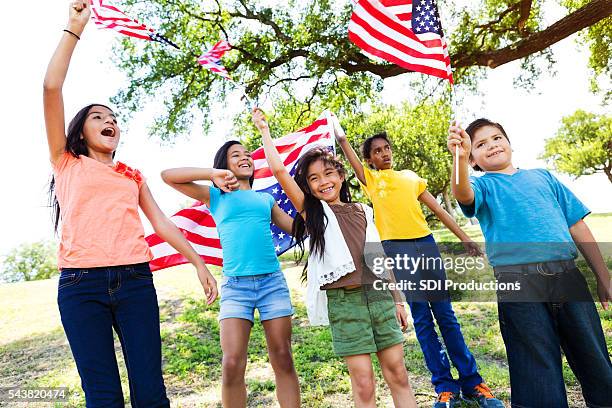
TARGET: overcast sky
(529,118)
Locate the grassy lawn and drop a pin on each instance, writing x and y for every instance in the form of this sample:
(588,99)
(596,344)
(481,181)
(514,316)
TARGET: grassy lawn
(34,350)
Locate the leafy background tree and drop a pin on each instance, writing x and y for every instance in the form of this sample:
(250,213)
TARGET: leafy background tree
(582,145)
(297,55)
(30,261)
(299,50)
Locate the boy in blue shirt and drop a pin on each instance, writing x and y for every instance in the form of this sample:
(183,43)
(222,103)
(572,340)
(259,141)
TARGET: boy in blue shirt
(532,223)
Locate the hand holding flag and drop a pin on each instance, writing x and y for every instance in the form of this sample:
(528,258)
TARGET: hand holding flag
(78,16)
(259,120)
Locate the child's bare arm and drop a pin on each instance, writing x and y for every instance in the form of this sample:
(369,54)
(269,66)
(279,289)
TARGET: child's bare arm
(53,101)
(276,164)
(183,180)
(281,219)
(349,152)
(430,201)
(584,239)
(463,191)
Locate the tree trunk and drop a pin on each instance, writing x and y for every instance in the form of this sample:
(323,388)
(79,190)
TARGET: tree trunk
(448,204)
(608,173)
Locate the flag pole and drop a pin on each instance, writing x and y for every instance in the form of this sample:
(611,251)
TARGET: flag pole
(454,111)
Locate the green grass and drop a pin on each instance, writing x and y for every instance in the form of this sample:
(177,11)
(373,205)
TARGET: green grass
(34,351)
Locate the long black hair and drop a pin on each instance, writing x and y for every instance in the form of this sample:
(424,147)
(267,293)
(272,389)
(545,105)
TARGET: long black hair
(76,146)
(316,221)
(220,161)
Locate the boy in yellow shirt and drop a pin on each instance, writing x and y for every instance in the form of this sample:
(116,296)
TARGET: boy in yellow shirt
(396,197)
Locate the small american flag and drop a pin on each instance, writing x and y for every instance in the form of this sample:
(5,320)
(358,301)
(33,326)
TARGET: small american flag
(107,16)
(405,32)
(197,223)
(211,59)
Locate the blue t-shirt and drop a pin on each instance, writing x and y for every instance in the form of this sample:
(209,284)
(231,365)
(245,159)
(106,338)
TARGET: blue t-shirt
(243,221)
(525,217)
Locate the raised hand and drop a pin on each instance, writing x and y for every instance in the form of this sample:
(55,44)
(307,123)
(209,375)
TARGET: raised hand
(79,13)
(458,137)
(225,180)
(259,120)
(338,131)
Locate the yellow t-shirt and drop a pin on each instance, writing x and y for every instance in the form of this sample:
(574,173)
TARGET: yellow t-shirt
(397,210)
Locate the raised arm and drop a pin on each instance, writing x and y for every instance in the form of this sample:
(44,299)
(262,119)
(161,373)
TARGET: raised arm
(348,150)
(171,234)
(277,166)
(463,191)
(183,179)
(53,102)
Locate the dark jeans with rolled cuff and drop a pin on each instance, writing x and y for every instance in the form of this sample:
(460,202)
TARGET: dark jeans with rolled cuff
(553,311)
(93,302)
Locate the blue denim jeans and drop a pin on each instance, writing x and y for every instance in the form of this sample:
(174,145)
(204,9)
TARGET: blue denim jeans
(423,314)
(93,302)
(534,334)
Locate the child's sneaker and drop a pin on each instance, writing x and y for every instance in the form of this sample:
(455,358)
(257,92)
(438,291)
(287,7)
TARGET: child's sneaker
(484,397)
(446,399)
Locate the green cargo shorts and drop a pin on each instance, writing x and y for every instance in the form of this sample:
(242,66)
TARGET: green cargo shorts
(362,320)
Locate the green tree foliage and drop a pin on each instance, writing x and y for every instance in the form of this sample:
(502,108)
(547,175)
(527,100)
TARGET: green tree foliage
(31,261)
(299,50)
(598,37)
(582,145)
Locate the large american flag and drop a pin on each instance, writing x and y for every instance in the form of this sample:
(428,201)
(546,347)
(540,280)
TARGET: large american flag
(108,16)
(197,223)
(211,59)
(405,32)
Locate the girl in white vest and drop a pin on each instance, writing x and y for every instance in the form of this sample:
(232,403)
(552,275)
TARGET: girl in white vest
(364,317)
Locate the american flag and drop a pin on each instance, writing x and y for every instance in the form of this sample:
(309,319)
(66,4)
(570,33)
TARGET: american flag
(405,32)
(197,223)
(107,16)
(211,59)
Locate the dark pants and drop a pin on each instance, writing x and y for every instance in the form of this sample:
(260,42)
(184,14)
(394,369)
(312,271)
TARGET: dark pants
(423,314)
(534,334)
(94,301)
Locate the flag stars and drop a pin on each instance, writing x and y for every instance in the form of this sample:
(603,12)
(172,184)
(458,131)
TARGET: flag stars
(281,235)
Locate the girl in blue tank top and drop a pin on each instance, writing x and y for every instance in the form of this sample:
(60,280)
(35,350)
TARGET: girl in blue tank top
(252,275)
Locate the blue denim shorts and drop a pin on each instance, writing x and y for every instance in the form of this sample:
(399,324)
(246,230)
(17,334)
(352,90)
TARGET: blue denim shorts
(268,293)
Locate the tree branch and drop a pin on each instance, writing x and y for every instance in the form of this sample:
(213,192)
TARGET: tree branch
(251,15)
(525,11)
(586,16)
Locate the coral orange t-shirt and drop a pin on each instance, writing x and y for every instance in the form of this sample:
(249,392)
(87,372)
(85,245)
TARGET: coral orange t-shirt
(99,212)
